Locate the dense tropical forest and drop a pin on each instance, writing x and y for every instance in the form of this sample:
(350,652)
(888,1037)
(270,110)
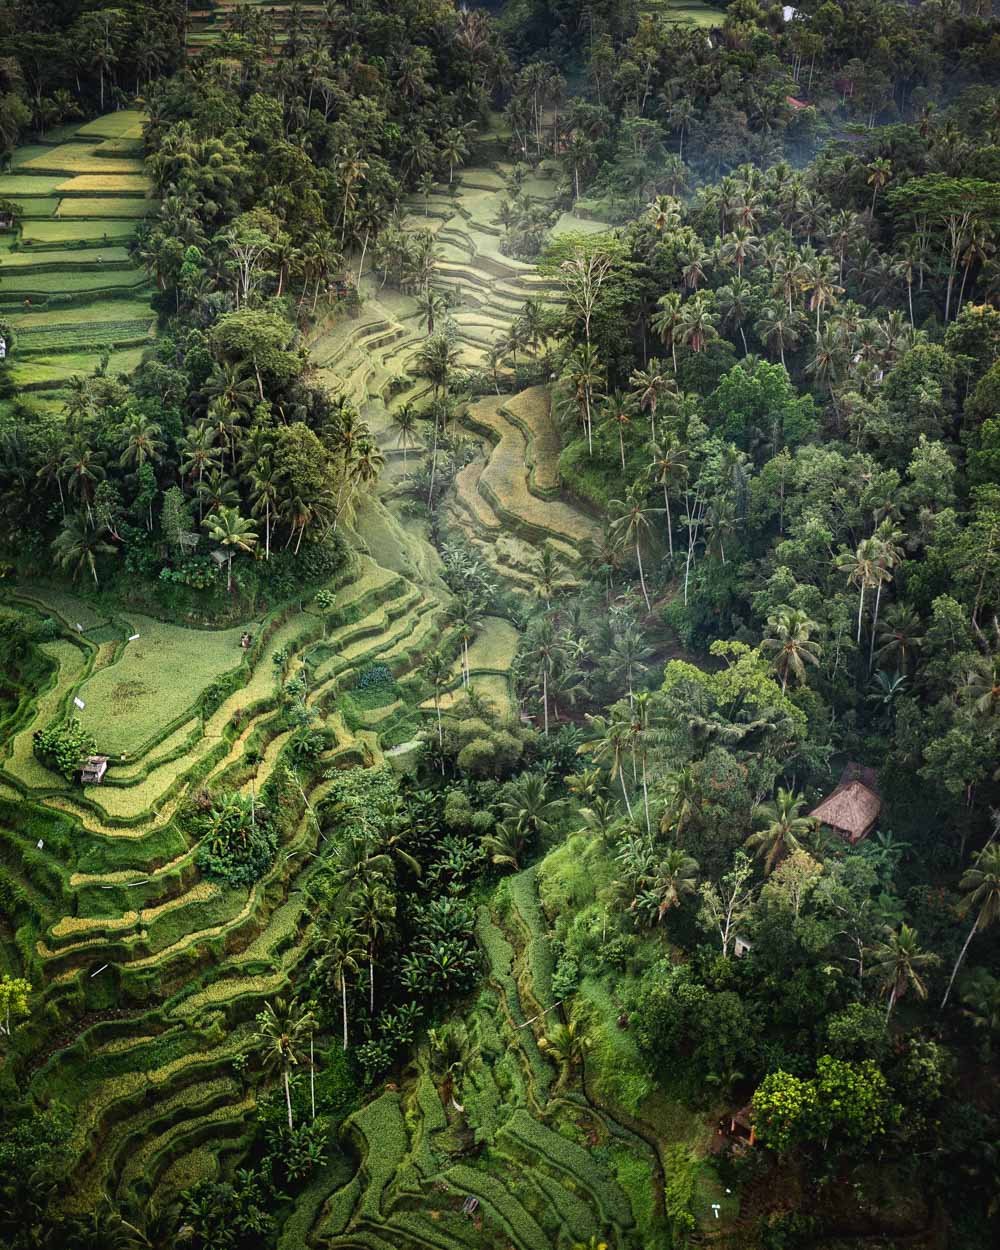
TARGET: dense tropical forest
(499,625)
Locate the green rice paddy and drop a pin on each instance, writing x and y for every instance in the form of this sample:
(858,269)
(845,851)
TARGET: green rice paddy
(67,279)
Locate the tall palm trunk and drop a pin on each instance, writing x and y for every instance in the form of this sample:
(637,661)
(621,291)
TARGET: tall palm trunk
(642,577)
(288,1099)
(670,524)
(958,963)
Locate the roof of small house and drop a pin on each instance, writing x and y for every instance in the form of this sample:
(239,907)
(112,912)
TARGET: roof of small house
(853,807)
(743,1117)
(796,104)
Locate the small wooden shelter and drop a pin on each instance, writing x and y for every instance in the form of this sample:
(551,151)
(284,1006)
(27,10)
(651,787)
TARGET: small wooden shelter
(853,808)
(741,1125)
(94,768)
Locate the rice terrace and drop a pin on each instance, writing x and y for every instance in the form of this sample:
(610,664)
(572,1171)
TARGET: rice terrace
(499,625)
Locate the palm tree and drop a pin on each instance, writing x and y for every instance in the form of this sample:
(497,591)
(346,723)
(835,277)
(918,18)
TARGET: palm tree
(682,798)
(264,496)
(373,909)
(234,533)
(79,543)
(864,569)
(666,323)
(650,385)
(141,443)
(981,884)
(280,1034)
(454,150)
(879,172)
(540,652)
(619,416)
(982,685)
(782,828)
(674,879)
(896,963)
(342,957)
(566,1044)
(198,453)
(586,375)
(464,614)
(899,636)
(670,465)
(437,667)
(697,326)
(436,360)
(778,326)
(611,738)
(790,643)
(432,304)
(632,522)
(527,803)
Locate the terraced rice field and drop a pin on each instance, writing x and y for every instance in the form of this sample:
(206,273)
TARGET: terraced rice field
(67,281)
(206,26)
(111,907)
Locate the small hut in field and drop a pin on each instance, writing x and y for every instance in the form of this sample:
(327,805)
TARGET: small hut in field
(853,808)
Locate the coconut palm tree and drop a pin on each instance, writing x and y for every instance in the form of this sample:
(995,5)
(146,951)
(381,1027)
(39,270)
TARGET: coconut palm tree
(790,644)
(437,668)
(454,150)
(566,1044)
(896,963)
(232,532)
(864,569)
(610,738)
(649,387)
(781,828)
(879,172)
(280,1034)
(198,455)
(431,305)
(982,685)
(667,322)
(373,910)
(141,443)
(981,884)
(675,878)
(264,496)
(778,326)
(343,958)
(79,543)
(899,636)
(632,522)
(586,375)
(670,466)
(682,797)
(618,415)
(698,322)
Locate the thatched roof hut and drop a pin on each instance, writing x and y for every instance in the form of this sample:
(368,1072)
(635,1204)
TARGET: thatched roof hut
(853,808)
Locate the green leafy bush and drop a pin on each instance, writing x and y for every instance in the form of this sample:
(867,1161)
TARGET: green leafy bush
(63,747)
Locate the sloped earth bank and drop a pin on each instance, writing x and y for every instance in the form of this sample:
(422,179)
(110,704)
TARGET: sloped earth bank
(152,977)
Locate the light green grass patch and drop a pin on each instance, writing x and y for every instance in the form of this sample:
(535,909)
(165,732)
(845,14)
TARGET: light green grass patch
(79,158)
(35,233)
(27,184)
(122,310)
(33,207)
(104,184)
(157,679)
(569,223)
(125,124)
(49,371)
(107,207)
(70,259)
